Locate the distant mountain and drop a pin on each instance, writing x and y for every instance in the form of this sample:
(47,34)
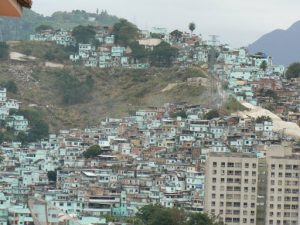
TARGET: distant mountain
(20,29)
(282,45)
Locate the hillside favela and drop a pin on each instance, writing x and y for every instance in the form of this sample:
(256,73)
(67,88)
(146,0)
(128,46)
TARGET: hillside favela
(149,112)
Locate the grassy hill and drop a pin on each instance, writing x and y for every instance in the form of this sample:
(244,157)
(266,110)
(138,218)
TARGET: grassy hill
(76,96)
(16,29)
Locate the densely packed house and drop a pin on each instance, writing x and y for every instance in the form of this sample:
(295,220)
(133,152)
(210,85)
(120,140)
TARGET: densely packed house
(151,157)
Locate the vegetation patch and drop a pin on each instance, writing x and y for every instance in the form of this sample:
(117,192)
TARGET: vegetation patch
(231,106)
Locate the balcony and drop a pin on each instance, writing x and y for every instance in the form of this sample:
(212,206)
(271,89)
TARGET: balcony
(13,7)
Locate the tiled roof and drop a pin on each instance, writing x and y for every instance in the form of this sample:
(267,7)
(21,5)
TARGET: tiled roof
(25,3)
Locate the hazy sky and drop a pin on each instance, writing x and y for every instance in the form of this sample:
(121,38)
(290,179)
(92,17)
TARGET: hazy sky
(238,22)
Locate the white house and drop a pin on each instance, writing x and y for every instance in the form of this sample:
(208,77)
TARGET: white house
(19,123)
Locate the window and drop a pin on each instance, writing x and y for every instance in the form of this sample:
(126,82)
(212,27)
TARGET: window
(272,182)
(273,166)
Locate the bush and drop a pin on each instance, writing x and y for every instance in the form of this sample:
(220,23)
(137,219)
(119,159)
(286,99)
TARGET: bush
(232,105)
(72,89)
(214,113)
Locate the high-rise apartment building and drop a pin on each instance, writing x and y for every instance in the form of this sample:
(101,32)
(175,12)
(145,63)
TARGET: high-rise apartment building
(231,187)
(243,189)
(283,185)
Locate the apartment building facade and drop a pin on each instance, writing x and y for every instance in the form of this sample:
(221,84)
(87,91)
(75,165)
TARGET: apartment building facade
(283,185)
(246,189)
(231,187)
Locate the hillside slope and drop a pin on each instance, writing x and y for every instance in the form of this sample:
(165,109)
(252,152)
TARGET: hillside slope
(16,29)
(280,126)
(113,92)
(282,45)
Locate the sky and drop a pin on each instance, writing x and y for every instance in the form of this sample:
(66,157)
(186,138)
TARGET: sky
(237,22)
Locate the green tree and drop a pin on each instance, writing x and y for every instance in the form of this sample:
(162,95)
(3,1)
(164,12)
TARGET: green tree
(176,35)
(52,175)
(262,119)
(156,35)
(22,137)
(162,217)
(43,27)
(125,32)
(293,71)
(139,52)
(269,93)
(84,34)
(72,89)
(159,215)
(39,129)
(92,152)
(214,113)
(264,65)
(1,137)
(10,86)
(192,27)
(146,213)
(163,55)
(181,113)
(4,51)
